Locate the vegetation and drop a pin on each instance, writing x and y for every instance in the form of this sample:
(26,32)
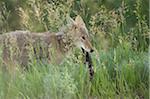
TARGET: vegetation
(119,30)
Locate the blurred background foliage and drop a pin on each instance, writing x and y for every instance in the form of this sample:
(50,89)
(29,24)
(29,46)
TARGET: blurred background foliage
(110,22)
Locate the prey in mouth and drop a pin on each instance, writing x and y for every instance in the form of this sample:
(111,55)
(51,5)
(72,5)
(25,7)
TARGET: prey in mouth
(88,61)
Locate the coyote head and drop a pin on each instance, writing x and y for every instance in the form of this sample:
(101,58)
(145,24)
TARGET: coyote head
(79,34)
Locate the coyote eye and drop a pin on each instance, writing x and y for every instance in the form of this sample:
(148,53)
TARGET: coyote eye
(83,37)
(75,27)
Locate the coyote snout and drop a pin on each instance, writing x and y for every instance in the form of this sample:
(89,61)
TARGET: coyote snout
(85,44)
(80,34)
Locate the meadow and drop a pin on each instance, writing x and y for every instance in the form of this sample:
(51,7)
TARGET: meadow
(119,30)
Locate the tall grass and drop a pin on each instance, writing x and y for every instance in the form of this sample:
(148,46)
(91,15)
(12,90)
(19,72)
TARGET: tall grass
(119,73)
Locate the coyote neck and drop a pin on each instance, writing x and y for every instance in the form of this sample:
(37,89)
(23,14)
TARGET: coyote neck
(65,42)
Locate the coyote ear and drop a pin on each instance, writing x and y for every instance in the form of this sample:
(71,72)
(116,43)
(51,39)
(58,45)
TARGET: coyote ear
(79,20)
(70,20)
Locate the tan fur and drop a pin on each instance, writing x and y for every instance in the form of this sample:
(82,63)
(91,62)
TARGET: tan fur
(20,47)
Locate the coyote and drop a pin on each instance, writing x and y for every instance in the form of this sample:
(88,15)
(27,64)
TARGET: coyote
(18,46)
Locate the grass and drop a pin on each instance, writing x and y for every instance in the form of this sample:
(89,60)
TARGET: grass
(119,73)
